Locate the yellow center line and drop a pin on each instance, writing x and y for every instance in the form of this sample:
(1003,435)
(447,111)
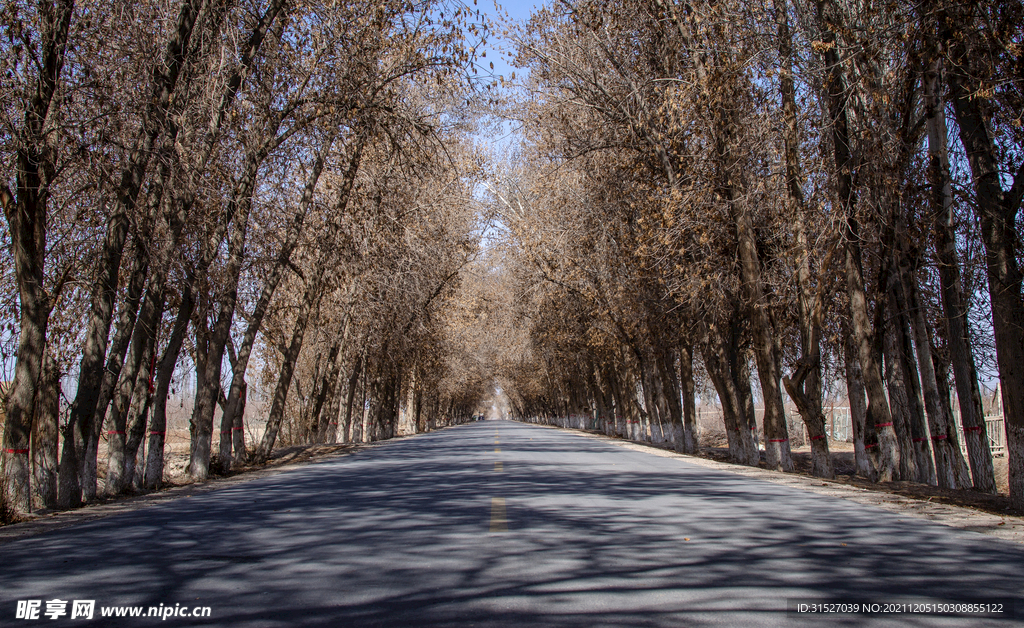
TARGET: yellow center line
(497,465)
(498,521)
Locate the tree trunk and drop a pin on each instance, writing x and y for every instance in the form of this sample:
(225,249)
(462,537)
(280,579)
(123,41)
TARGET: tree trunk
(421,417)
(947,456)
(776,436)
(406,399)
(324,391)
(691,439)
(727,396)
(954,307)
(322,422)
(26,214)
(650,414)
(138,417)
(997,212)
(284,381)
(21,401)
(240,207)
(620,413)
(667,420)
(118,348)
(804,387)
(835,95)
(748,415)
(45,431)
(960,469)
(256,320)
(389,406)
(328,424)
(359,428)
(599,404)
(353,382)
(863,434)
(724,362)
(83,410)
(919,424)
(907,416)
(877,415)
(143,339)
(608,421)
(154,474)
(670,394)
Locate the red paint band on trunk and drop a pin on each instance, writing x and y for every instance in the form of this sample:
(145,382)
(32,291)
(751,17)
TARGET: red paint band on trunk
(877,425)
(16,451)
(818,437)
(157,433)
(871,445)
(236,429)
(777,440)
(972,429)
(939,437)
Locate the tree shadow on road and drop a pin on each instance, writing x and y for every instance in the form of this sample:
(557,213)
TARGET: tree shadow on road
(398,536)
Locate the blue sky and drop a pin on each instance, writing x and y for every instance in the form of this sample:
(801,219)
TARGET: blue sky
(497,51)
(518,10)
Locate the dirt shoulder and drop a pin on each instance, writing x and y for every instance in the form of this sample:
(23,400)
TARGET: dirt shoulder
(967,510)
(282,460)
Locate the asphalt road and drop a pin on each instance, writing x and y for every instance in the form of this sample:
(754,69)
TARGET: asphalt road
(503,524)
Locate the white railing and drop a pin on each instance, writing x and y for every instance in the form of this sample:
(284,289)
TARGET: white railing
(838,424)
(996,434)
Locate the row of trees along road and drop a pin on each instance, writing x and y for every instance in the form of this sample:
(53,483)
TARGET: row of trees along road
(278,189)
(284,193)
(789,193)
